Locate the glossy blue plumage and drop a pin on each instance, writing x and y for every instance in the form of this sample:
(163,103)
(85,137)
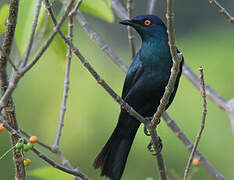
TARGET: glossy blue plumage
(143,88)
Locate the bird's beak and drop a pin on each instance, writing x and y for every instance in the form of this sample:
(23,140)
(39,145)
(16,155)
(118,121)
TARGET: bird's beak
(127,22)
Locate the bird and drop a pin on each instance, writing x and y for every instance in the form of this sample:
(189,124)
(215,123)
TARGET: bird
(143,88)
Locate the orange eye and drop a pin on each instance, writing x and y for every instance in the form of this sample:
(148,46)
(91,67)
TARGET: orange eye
(147,22)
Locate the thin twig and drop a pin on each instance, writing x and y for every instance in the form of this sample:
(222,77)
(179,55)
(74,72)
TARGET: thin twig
(223,11)
(94,36)
(8,59)
(34,26)
(119,9)
(49,40)
(150,6)
(211,94)
(66,85)
(17,75)
(44,157)
(179,133)
(130,30)
(26,134)
(63,159)
(202,124)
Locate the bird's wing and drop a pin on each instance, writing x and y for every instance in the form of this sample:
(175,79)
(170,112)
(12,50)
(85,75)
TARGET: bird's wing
(134,72)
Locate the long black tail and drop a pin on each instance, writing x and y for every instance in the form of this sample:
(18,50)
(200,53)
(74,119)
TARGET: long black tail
(112,159)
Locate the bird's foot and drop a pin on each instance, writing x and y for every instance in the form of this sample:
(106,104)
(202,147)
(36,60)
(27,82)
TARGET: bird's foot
(160,146)
(146,131)
(148,119)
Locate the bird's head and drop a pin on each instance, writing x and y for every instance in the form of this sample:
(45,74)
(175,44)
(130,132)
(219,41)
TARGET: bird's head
(148,26)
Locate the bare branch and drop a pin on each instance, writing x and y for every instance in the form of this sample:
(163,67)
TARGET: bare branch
(9,104)
(130,30)
(26,134)
(150,6)
(49,40)
(17,75)
(179,133)
(34,26)
(8,59)
(159,157)
(44,157)
(223,11)
(94,36)
(202,124)
(211,94)
(119,9)
(66,83)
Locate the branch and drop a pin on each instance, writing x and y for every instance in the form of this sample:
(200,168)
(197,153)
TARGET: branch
(223,11)
(26,134)
(17,75)
(9,104)
(119,9)
(179,133)
(43,156)
(66,85)
(150,6)
(94,36)
(130,30)
(202,124)
(30,43)
(211,94)
(8,59)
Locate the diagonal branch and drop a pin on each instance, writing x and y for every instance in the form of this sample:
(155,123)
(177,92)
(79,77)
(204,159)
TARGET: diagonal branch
(179,133)
(94,36)
(202,124)
(223,11)
(43,156)
(17,75)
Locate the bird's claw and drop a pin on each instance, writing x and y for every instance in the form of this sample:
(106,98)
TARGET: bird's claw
(146,131)
(150,149)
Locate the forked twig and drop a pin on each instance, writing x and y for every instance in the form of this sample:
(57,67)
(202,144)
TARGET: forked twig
(202,124)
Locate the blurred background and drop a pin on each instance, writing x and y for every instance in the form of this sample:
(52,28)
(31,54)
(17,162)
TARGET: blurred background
(203,36)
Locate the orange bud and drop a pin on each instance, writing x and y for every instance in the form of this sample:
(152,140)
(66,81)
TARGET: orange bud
(196,161)
(1,127)
(33,139)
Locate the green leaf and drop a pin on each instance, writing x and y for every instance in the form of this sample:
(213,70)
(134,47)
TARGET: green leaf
(26,15)
(99,8)
(48,173)
(3,14)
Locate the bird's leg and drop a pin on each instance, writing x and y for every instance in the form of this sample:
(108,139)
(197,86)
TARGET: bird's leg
(150,149)
(148,119)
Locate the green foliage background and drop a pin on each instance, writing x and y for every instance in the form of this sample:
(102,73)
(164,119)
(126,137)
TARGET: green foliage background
(92,114)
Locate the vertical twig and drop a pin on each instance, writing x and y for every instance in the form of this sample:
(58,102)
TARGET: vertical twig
(9,105)
(66,85)
(130,30)
(202,124)
(34,26)
(150,6)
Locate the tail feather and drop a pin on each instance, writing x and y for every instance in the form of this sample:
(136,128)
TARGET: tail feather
(112,159)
